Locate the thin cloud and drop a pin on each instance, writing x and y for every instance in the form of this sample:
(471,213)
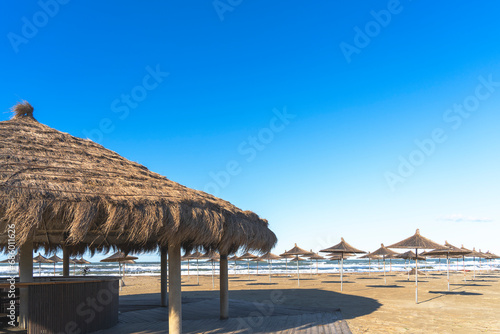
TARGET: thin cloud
(459,218)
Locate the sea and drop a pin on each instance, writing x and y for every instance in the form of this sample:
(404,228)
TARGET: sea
(283,267)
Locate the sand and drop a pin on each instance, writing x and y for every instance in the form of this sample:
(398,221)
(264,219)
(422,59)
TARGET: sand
(368,305)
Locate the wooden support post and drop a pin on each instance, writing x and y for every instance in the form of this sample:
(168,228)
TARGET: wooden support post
(65,261)
(224,287)
(163,276)
(25,276)
(174,295)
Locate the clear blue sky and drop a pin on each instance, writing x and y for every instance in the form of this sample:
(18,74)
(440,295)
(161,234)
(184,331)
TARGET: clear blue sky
(307,113)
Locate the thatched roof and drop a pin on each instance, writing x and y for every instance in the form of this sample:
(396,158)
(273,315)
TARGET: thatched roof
(247,256)
(491,256)
(448,250)
(369,256)
(409,255)
(41,259)
(474,253)
(384,252)
(315,256)
(82,261)
(416,241)
(62,190)
(55,259)
(297,251)
(269,256)
(119,257)
(342,247)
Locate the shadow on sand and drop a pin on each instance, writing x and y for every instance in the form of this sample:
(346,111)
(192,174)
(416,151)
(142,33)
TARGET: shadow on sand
(385,286)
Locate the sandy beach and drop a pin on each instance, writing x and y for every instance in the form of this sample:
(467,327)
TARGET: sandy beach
(366,303)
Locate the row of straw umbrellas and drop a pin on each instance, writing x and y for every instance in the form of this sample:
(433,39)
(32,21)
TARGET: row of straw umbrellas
(343,250)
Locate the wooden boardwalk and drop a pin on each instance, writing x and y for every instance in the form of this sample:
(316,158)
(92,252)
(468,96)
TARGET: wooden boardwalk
(201,316)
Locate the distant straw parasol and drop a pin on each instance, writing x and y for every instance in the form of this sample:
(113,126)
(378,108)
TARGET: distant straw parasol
(119,257)
(473,254)
(248,256)
(409,255)
(212,258)
(197,256)
(448,250)
(416,242)
(316,257)
(342,248)
(384,252)
(269,257)
(369,256)
(296,251)
(286,257)
(40,259)
(55,259)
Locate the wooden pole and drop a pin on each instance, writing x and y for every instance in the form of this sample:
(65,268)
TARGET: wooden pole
(298,272)
(448,271)
(416,275)
(342,272)
(224,287)
(25,276)
(65,262)
(385,279)
(163,276)
(174,284)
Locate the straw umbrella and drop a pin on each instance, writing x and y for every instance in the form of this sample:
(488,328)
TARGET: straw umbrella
(474,254)
(257,260)
(187,257)
(269,257)
(197,256)
(316,257)
(297,251)
(212,258)
(448,250)
(55,259)
(409,255)
(40,259)
(63,192)
(369,256)
(342,248)
(248,257)
(234,258)
(463,259)
(120,257)
(286,257)
(417,242)
(384,252)
(491,256)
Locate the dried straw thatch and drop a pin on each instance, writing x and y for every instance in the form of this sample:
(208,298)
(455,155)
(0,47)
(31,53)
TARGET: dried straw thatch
(384,252)
(296,250)
(416,241)
(342,247)
(61,190)
(119,257)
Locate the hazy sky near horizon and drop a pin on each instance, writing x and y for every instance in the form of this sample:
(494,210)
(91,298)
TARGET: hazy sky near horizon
(357,119)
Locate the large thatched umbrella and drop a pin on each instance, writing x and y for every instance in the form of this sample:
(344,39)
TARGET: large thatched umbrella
(55,259)
(342,248)
(296,251)
(63,192)
(369,256)
(384,252)
(416,242)
(40,259)
(269,257)
(448,250)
